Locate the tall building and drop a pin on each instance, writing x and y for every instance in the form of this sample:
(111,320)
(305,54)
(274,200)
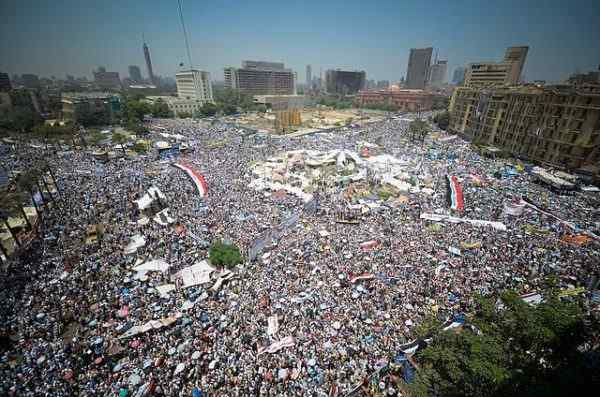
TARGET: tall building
(458,77)
(494,74)
(149,64)
(417,72)
(135,74)
(345,82)
(438,73)
(308,77)
(552,125)
(107,80)
(516,55)
(30,81)
(194,85)
(383,84)
(261,78)
(4,82)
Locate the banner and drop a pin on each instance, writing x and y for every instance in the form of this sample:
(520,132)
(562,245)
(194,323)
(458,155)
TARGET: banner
(455,194)
(196,177)
(288,341)
(475,222)
(514,209)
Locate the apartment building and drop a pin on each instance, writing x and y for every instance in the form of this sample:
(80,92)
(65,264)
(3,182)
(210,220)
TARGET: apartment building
(553,125)
(261,78)
(194,85)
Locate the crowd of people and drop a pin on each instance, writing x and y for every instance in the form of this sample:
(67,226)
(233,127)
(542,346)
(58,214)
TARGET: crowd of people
(315,314)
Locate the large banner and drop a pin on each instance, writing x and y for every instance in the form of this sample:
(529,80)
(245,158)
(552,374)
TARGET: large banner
(455,194)
(196,177)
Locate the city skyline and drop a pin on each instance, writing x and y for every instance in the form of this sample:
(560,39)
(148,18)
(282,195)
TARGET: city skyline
(376,39)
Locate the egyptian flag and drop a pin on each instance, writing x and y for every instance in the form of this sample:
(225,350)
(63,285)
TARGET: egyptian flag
(455,194)
(196,177)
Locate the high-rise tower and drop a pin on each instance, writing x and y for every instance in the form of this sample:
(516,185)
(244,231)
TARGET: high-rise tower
(149,64)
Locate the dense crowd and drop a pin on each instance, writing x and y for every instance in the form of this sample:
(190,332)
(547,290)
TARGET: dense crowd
(66,304)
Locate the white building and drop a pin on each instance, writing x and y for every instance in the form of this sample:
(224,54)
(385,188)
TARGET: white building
(194,85)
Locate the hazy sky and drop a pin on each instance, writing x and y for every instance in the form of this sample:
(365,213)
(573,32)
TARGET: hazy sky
(66,36)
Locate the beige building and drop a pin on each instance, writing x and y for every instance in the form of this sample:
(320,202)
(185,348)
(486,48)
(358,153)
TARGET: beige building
(495,74)
(177,105)
(194,85)
(552,125)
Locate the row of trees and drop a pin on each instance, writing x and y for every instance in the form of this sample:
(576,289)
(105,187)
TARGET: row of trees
(513,349)
(27,185)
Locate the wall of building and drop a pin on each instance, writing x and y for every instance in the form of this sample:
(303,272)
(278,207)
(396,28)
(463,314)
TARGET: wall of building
(557,126)
(403,100)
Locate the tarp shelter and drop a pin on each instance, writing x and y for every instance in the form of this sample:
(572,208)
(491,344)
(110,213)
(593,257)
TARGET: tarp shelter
(195,274)
(147,199)
(136,242)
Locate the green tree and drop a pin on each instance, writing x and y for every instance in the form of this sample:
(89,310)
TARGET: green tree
(121,139)
(442,120)
(513,349)
(161,109)
(11,204)
(135,110)
(141,146)
(222,254)
(26,183)
(184,115)
(418,130)
(208,109)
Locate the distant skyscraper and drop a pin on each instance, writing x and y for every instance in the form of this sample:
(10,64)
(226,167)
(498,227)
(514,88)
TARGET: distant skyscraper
(417,72)
(149,64)
(458,77)
(308,77)
(4,82)
(437,74)
(516,56)
(135,74)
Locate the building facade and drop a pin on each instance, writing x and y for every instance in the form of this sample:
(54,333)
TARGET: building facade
(458,77)
(516,56)
(401,100)
(107,80)
(417,72)
(194,85)
(552,125)
(149,64)
(496,74)
(101,107)
(135,74)
(30,81)
(308,77)
(585,78)
(438,73)
(488,74)
(261,78)
(345,82)
(4,82)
